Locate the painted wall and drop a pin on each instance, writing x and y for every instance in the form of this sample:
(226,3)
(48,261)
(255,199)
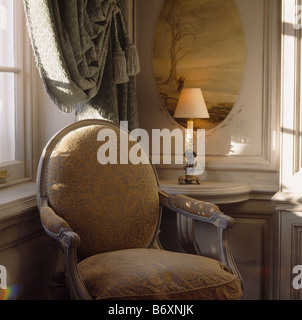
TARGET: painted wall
(49,118)
(244,147)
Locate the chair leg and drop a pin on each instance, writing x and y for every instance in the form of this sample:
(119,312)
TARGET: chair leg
(57,284)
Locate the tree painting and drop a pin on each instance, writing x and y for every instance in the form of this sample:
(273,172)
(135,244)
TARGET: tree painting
(180,30)
(200,43)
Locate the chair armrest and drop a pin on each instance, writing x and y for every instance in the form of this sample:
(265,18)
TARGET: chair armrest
(196,209)
(51,221)
(201,211)
(59,230)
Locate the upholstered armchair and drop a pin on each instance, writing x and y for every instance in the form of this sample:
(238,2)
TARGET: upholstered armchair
(104,220)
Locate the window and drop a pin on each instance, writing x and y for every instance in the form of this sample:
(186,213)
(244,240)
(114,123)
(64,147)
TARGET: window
(14,79)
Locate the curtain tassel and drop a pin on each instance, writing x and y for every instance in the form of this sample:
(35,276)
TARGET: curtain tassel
(119,57)
(120,65)
(133,66)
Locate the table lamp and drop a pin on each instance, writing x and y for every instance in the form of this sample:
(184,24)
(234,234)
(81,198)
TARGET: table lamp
(191,105)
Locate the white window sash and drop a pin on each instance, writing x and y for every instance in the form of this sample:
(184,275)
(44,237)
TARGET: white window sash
(21,169)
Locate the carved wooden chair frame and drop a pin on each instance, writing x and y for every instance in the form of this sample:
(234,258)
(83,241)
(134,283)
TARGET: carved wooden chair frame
(66,241)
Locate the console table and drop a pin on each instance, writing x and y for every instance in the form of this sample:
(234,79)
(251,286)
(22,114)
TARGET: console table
(210,191)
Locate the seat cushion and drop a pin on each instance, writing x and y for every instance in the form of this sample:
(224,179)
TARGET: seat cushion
(151,274)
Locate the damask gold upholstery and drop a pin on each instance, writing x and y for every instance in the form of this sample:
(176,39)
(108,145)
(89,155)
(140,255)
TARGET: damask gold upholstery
(105,220)
(51,221)
(194,207)
(148,274)
(110,207)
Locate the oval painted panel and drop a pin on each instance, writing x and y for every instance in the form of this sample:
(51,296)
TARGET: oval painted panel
(200,43)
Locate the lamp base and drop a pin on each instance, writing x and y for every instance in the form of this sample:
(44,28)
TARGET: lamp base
(188,179)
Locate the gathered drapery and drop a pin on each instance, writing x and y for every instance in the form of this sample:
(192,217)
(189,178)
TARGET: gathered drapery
(85,58)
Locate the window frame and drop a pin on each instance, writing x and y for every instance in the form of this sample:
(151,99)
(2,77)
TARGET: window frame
(21,170)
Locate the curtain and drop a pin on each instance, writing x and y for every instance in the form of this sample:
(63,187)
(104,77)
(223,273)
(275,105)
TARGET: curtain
(85,57)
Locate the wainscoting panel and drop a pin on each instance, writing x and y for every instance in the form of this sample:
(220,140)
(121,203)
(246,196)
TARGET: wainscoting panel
(24,249)
(290,248)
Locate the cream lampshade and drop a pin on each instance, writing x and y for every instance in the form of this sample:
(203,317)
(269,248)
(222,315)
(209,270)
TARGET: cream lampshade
(191,105)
